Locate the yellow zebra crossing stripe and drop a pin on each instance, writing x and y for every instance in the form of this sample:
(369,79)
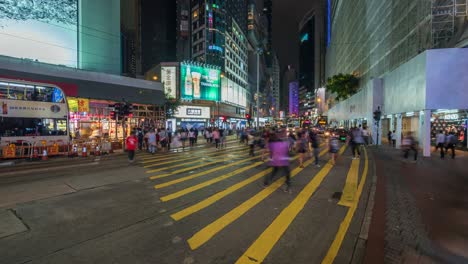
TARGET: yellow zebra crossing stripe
(202,236)
(166,184)
(258,251)
(207,183)
(175,159)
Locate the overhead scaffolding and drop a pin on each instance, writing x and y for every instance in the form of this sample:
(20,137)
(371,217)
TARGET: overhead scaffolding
(444,16)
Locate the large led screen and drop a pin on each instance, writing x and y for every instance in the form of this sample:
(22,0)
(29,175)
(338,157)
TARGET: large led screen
(42,30)
(200,83)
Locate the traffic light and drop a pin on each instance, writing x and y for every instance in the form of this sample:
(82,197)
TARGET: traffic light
(118,109)
(247,116)
(377,114)
(224,119)
(112,115)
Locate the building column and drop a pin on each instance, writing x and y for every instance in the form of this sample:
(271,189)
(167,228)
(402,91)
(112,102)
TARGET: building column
(426,132)
(398,129)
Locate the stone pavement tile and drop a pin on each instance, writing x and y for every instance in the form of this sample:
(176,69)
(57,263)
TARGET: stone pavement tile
(419,208)
(10,224)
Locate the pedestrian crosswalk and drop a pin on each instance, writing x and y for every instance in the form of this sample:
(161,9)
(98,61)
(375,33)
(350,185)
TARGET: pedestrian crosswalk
(193,171)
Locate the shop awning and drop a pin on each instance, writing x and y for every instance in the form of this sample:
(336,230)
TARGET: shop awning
(84,84)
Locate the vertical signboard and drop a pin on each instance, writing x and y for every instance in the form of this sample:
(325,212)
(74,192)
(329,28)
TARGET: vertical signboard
(168,78)
(197,82)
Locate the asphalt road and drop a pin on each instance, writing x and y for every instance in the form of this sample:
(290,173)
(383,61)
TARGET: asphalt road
(194,206)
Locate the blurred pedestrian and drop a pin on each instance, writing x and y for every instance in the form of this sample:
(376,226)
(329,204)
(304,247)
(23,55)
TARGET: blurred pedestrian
(314,142)
(191,135)
(333,148)
(251,143)
(451,142)
(440,143)
(365,135)
(131,143)
(152,143)
(216,136)
(279,153)
(393,136)
(301,147)
(409,144)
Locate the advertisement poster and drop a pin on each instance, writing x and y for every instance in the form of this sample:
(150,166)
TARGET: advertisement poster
(19,108)
(197,82)
(44,31)
(83,105)
(168,78)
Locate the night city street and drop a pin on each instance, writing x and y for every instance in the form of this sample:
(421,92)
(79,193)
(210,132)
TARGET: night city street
(233,131)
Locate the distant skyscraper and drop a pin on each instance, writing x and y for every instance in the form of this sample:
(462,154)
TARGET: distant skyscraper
(294,98)
(289,75)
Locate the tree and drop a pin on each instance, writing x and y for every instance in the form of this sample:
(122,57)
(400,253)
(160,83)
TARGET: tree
(343,85)
(170,105)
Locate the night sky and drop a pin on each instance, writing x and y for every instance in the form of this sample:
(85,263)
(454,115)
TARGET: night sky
(286,17)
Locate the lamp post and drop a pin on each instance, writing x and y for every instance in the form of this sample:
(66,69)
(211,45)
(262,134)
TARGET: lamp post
(259,51)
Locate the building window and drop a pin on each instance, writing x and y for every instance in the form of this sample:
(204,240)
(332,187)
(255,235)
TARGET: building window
(195,14)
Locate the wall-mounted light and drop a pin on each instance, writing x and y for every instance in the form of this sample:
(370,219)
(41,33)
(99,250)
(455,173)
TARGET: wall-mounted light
(155,77)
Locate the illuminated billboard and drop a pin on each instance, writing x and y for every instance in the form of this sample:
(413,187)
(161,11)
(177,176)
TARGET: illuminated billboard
(200,83)
(44,30)
(168,78)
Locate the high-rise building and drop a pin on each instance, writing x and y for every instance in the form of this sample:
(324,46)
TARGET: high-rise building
(158,32)
(311,58)
(219,38)
(406,67)
(294,99)
(275,84)
(289,75)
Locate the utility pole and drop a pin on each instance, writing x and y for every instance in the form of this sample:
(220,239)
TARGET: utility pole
(259,51)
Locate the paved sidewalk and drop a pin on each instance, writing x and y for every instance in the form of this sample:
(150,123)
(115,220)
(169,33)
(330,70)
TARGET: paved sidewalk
(421,209)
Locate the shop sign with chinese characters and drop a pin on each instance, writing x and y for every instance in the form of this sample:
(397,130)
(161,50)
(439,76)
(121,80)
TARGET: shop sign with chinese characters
(186,111)
(168,78)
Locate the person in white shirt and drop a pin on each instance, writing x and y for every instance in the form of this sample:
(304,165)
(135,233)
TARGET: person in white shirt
(394,138)
(365,135)
(440,142)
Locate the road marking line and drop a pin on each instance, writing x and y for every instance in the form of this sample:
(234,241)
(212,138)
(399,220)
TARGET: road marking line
(258,251)
(218,196)
(207,183)
(335,246)
(174,166)
(156,163)
(202,236)
(162,185)
(350,188)
(187,151)
(189,168)
(166,156)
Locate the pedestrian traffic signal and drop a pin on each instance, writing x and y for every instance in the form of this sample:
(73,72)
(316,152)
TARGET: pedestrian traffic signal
(112,115)
(247,116)
(224,119)
(377,114)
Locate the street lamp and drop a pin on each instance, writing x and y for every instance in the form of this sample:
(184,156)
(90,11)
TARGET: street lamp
(259,51)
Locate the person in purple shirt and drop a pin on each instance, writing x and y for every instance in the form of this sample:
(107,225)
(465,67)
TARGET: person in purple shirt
(279,154)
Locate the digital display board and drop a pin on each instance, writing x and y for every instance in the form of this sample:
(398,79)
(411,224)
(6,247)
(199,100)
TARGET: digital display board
(41,30)
(197,82)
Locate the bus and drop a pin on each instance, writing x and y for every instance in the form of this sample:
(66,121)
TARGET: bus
(32,113)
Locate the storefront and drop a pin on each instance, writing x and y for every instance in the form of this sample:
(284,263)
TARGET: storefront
(190,116)
(450,121)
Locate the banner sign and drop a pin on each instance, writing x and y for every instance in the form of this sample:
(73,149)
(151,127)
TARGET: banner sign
(34,109)
(185,111)
(168,78)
